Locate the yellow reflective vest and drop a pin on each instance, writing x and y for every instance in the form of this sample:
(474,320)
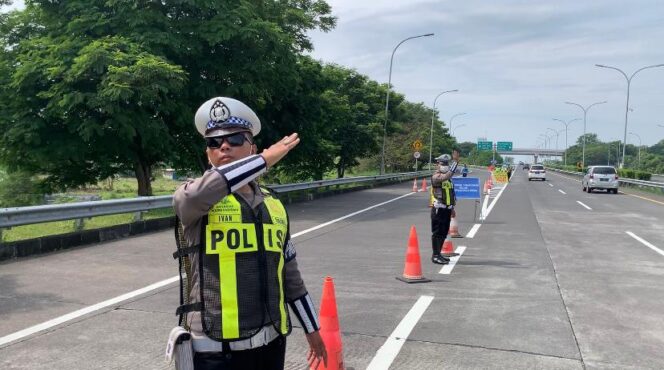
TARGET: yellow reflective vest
(241,269)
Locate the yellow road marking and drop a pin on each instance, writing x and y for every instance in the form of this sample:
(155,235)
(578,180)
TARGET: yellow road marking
(644,198)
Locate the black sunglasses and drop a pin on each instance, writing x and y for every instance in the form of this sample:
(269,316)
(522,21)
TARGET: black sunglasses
(236,139)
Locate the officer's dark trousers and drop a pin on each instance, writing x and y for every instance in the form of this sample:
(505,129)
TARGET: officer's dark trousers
(270,357)
(440,226)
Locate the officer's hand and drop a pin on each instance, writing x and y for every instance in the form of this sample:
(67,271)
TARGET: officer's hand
(455,155)
(317,350)
(278,150)
(453,213)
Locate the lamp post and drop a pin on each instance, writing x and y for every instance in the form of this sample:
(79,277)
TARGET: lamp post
(433,116)
(585,113)
(556,133)
(387,99)
(456,128)
(629,82)
(452,119)
(566,126)
(639,137)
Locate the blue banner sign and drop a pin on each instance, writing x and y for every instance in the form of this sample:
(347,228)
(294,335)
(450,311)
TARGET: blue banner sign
(466,187)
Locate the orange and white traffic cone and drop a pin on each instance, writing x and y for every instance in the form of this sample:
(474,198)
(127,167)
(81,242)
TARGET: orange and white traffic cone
(448,249)
(412,271)
(424,184)
(415,185)
(454,229)
(329,328)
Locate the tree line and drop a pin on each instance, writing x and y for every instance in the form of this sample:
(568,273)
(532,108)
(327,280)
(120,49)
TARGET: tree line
(94,88)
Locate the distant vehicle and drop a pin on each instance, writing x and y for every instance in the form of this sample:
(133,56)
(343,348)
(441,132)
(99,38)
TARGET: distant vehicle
(600,177)
(537,171)
(526,166)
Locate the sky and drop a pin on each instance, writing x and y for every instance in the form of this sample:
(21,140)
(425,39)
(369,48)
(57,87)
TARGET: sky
(514,62)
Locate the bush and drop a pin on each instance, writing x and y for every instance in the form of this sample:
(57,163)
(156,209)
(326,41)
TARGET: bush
(642,175)
(19,189)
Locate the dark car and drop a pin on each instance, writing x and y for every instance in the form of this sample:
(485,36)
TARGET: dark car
(526,166)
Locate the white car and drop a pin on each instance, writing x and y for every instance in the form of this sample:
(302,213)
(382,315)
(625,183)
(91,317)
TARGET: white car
(600,177)
(537,171)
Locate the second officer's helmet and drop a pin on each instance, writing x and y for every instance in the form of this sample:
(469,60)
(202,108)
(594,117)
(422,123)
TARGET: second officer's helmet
(444,159)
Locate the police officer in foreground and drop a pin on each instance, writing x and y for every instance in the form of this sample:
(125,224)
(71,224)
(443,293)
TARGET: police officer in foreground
(237,262)
(443,204)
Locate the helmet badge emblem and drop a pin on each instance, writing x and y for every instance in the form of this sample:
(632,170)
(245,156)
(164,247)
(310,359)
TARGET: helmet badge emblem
(219,112)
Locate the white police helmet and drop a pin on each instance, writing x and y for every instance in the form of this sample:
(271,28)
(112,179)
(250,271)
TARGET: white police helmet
(222,116)
(445,158)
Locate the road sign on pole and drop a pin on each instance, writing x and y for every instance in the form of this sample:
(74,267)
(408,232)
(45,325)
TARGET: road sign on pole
(484,145)
(504,146)
(416,155)
(417,145)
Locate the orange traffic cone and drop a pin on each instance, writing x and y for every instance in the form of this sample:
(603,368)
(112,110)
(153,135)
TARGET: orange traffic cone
(454,229)
(412,271)
(448,249)
(329,328)
(424,184)
(415,185)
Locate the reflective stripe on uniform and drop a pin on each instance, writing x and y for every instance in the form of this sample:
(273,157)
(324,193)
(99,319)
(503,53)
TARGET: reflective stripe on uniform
(278,216)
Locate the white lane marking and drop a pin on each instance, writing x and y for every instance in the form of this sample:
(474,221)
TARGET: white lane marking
(119,299)
(551,185)
(83,311)
(346,216)
(447,269)
(494,201)
(390,349)
(473,231)
(585,206)
(644,242)
(560,190)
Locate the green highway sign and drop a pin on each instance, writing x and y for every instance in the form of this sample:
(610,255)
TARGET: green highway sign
(484,145)
(504,146)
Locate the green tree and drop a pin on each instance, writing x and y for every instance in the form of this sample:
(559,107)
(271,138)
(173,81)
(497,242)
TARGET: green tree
(102,86)
(466,147)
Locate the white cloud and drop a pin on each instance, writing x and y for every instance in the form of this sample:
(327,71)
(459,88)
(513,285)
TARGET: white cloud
(515,62)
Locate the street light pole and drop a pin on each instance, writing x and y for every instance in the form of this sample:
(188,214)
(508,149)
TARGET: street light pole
(555,132)
(629,82)
(566,126)
(639,137)
(387,99)
(433,116)
(452,119)
(456,128)
(585,113)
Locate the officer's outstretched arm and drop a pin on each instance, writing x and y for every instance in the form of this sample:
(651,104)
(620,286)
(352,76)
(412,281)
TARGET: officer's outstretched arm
(194,198)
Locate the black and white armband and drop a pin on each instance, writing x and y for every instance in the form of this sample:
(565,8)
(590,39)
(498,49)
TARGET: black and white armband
(241,172)
(305,311)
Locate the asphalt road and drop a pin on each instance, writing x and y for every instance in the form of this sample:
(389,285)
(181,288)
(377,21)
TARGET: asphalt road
(546,282)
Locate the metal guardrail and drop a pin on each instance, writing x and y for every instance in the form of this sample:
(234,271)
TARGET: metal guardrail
(17,216)
(653,184)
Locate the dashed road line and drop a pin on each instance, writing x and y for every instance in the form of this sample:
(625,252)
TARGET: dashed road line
(585,206)
(473,231)
(391,348)
(645,242)
(551,185)
(560,190)
(447,269)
